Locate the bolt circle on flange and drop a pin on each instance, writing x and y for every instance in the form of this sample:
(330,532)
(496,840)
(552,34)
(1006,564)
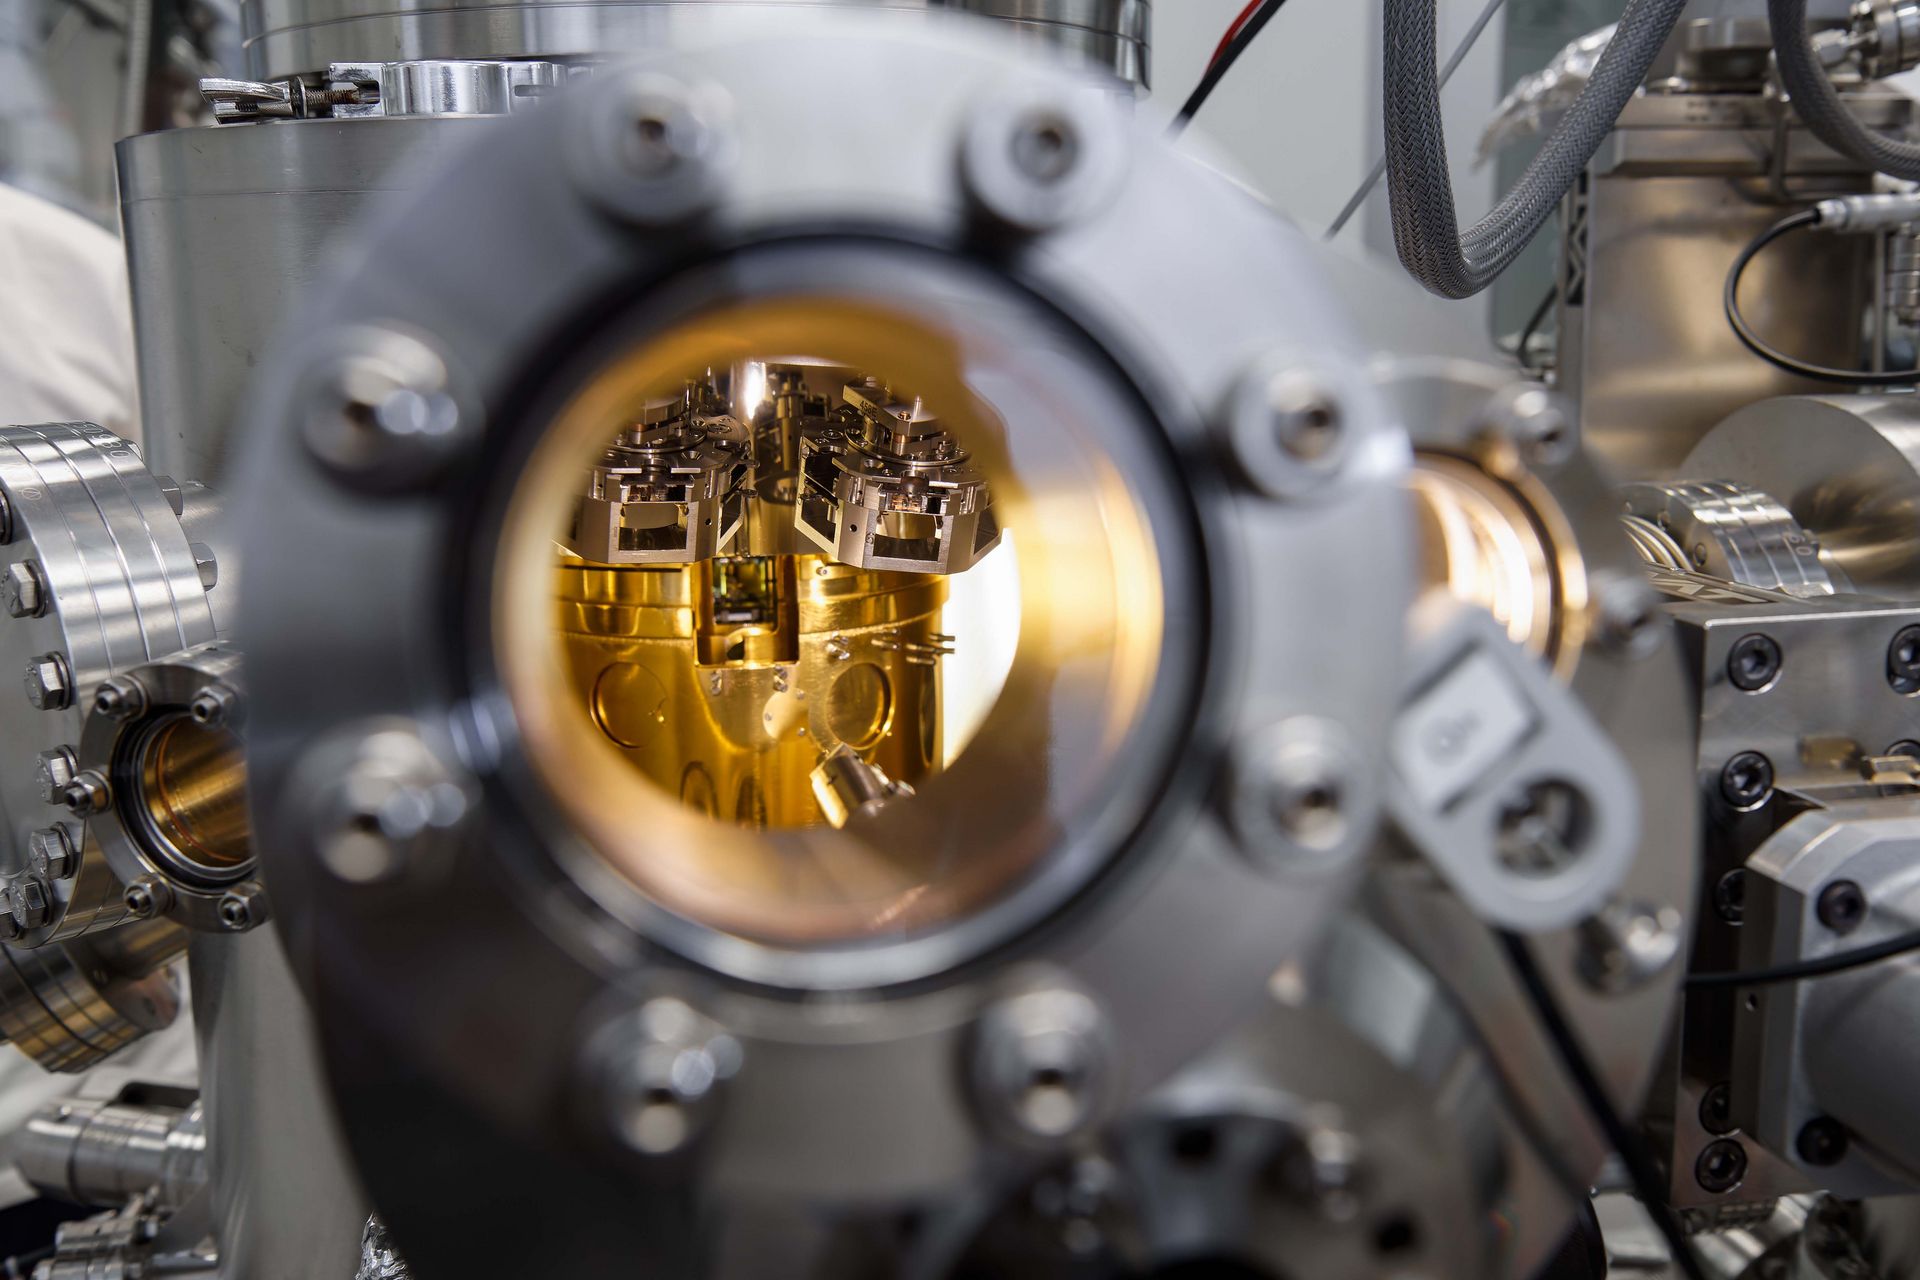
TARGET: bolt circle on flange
(1287,431)
(1746,781)
(1036,159)
(650,149)
(49,683)
(1299,799)
(1903,661)
(1042,1064)
(382,411)
(1721,1166)
(1842,907)
(1821,1142)
(23,590)
(1753,664)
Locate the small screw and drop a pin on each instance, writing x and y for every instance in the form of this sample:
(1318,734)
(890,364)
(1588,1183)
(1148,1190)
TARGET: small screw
(242,908)
(1903,661)
(27,902)
(1041,1063)
(1821,1142)
(1753,663)
(1626,945)
(51,854)
(1747,780)
(56,771)
(1045,147)
(48,683)
(88,793)
(23,590)
(1533,419)
(1721,1167)
(1730,895)
(1842,906)
(1627,614)
(148,896)
(120,698)
(215,706)
(1716,1110)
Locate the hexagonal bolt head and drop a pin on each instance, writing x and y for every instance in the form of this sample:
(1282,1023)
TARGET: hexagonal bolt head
(661,1070)
(148,896)
(51,854)
(120,698)
(49,683)
(1042,1064)
(243,907)
(28,902)
(88,793)
(1626,945)
(55,774)
(23,590)
(215,707)
(207,565)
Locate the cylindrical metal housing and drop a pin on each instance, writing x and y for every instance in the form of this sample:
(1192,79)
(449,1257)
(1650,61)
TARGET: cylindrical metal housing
(300,37)
(96,1152)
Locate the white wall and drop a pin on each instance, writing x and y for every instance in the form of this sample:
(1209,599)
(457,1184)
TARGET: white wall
(1299,117)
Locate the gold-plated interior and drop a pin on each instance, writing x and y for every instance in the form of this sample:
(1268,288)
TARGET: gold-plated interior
(1492,536)
(193,789)
(762,739)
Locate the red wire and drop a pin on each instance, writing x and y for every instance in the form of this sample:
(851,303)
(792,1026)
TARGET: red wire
(1233,31)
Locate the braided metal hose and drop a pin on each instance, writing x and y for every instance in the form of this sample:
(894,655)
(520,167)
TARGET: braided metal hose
(1818,103)
(1426,227)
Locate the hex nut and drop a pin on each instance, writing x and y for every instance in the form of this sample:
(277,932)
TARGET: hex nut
(23,590)
(148,896)
(56,772)
(29,903)
(120,698)
(88,793)
(207,564)
(48,682)
(51,854)
(217,706)
(243,907)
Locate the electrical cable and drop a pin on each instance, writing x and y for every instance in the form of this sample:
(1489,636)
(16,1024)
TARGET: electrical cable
(1819,967)
(1379,170)
(1818,103)
(1426,228)
(1237,44)
(1232,31)
(1533,324)
(1730,303)
(1639,1165)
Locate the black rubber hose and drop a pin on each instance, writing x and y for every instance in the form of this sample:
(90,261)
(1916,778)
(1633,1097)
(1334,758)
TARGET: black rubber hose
(1426,226)
(1818,103)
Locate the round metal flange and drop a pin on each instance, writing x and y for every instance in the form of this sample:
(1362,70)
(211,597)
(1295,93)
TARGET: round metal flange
(1148,904)
(120,587)
(147,830)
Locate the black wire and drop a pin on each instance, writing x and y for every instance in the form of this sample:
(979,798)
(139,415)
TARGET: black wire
(1839,962)
(1730,302)
(1639,1165)
(1221,65)
(1533,326)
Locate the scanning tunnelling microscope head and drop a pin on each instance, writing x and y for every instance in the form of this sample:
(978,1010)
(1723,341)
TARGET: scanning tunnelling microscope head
(839,651)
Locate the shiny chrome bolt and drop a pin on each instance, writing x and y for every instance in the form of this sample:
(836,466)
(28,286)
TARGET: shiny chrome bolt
(148,896)
(1626,945)
(660,1071)
(381,410)
(1042,1064)
(29,904)
(49,683)
(1534,420)
(207,564)
(23,590)
(215,707)
(51,854)
(382,804)
(120,698)
(243,907)
(56,771)
(88,793)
